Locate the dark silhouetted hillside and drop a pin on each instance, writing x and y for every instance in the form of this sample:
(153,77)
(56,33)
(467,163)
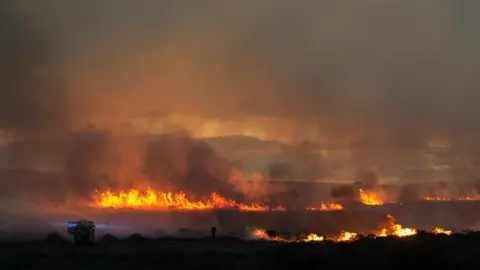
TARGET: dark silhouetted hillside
(55,238)
(108,239)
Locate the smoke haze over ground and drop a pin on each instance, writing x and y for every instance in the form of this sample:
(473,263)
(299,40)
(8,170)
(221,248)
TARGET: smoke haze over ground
(98,94)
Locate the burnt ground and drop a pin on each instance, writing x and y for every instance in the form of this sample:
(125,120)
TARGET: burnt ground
(424,251)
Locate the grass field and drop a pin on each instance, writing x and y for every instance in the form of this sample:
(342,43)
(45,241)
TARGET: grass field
(424,251)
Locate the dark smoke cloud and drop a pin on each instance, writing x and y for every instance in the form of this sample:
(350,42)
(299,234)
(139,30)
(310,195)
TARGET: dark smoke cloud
(364,179)
(54,169)
(91,160)
(31,100)
(343,191)
(279,171)
(188,165)
(410,192)
(367,179)
(386,86)
(299,162)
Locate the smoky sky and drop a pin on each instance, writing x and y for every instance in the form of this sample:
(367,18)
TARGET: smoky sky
(383,66)
(30,99)
(357,68)
(383,79)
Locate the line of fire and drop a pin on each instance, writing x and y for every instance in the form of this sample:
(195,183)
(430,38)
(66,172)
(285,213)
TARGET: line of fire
(365,213)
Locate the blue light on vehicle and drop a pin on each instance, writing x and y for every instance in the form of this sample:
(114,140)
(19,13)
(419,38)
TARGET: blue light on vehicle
(74,225)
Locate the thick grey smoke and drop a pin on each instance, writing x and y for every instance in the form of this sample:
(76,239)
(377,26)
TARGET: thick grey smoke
(187,165)
(92,160)
(31,101)
(299,162)
(388,86)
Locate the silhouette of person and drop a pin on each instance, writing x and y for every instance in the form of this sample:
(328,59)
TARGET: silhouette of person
(213,231)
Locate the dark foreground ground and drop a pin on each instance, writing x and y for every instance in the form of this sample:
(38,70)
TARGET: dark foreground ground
(419,252)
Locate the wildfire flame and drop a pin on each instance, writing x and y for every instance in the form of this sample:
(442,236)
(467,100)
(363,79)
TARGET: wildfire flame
(326,207)
(169,200)
(260,234)
(150,199)
(438,230)
(448,199)
(396,229)
(392,229)
(314,238)
(344,237)
(369,198)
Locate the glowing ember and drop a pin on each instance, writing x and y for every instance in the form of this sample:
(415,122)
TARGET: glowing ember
(438,230)
(449,199)
(436,199)
(279,208)
(261,234)
(253,207)
(327,207)
(369,198)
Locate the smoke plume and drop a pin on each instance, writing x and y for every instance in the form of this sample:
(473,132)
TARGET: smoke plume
(340,87)
(31,99)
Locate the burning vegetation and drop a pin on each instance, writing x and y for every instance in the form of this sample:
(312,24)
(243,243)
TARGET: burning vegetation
(326,207)
(346,222)
(151,199)
(369,198)
(447,199)
(390,229)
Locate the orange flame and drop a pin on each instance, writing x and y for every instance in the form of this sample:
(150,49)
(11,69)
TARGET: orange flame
(393,229)
(344,237)
(396,229)
(438,230)
(436,199)
(168,200)
(150,199)
(369,198)
(260,234)
(314,238)
(326,207)
(467,198)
